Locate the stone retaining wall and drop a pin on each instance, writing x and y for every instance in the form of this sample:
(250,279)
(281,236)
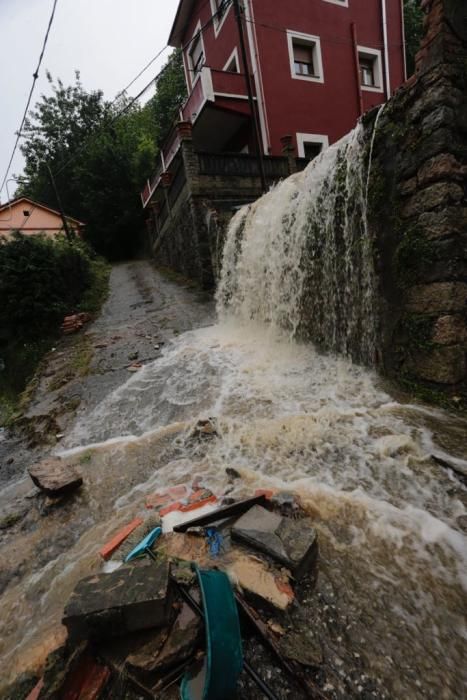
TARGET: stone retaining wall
(418,202)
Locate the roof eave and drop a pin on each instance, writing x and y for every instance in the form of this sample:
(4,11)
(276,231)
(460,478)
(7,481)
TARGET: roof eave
(180,22)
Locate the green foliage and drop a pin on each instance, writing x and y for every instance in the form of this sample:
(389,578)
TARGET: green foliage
(100,162)
(41,280)
(170,95)
(413,255)
(416,331)
(413,21)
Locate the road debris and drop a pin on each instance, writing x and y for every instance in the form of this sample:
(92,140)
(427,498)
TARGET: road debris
(55,477)
(146,618)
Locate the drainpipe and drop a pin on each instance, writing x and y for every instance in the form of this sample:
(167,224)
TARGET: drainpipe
(249,87)
(386,52)
(357,66)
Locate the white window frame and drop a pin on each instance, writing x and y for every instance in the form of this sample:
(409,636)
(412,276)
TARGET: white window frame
(306,39)
(302,139)
(195,77)
(216,23)
(341,3)
(378,63)
(233,55)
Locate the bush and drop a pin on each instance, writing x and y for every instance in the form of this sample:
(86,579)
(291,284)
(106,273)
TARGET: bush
(40,281)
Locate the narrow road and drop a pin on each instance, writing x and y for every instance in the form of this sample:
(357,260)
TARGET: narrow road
(145,309)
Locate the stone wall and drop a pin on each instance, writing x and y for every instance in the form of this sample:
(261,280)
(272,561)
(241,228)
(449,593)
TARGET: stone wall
(418,209)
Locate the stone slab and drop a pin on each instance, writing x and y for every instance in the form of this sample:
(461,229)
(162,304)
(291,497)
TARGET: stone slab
(55,477)
(133,598)
(292,543)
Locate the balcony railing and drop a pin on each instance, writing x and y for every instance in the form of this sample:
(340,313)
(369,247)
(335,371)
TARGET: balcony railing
(209,85)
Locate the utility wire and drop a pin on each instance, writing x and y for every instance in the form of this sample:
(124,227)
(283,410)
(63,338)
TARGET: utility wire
(153,81)
(35,76)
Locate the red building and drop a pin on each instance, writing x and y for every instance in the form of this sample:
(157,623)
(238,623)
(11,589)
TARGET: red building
(316,66)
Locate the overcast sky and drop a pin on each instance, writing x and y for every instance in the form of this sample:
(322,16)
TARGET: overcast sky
(108,41)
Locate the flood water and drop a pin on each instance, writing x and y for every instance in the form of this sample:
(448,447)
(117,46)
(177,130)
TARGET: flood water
(391,522)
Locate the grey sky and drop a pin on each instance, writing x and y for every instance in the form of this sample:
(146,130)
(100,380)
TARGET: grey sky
(108,41)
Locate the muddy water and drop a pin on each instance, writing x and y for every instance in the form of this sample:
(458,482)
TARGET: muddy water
(390,520)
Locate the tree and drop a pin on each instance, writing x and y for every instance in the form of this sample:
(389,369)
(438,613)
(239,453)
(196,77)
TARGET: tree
(100,154)
(170,95)
(413,20)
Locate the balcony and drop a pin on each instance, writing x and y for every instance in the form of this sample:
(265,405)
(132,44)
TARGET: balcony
(216,107)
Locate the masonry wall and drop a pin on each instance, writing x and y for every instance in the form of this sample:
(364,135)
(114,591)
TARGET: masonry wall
(419,210)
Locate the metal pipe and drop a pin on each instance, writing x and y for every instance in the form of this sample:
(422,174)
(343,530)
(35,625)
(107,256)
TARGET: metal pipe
(386,52)
(357,66)
(246,68)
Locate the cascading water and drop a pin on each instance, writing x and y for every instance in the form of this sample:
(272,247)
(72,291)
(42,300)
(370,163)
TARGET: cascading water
(301,257)
(298,263)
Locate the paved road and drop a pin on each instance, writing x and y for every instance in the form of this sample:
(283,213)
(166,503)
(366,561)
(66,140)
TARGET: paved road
(144,310)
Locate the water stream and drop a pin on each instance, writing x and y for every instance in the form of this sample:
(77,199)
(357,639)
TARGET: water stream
(296,263)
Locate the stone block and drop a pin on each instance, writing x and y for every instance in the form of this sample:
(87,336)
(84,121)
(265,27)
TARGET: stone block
(431,197)
(442,365)
(290,542)
(441,167)
(449,330)
(449,221)
(55,477)
(130,599)
(437,298)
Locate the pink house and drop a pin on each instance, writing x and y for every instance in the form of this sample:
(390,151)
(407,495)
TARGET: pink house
(31,218)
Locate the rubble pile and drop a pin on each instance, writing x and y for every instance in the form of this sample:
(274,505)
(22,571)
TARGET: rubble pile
(74,323)
(177,582)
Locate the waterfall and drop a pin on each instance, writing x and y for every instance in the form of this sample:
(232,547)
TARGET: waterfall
(301,258)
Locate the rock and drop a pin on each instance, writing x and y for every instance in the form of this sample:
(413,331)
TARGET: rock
(431,197)
(449,330)
(205,429)
(301,647)
(132,598)
(290,542)
(133,355)
(232,473)
(144,658)
(288,504)
(174,649)
(443,365)
(437,297)
(55,477)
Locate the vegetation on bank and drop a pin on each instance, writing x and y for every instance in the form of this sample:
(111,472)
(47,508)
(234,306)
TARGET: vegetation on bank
(41,280)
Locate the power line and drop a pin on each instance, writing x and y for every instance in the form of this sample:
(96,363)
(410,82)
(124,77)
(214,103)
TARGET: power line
(155,80)
(35,76)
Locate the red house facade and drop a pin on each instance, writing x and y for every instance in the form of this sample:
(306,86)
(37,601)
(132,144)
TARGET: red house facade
(316,66)
(312,68)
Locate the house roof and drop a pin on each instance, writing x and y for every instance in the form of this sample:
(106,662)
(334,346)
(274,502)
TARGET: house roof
(35,204)
(184,10)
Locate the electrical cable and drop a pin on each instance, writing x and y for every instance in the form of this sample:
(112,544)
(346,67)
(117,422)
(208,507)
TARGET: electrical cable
(35,76)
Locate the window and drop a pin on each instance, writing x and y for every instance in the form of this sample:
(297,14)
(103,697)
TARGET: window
(232,65)
(25,212)
(305,57)
(371,76)
(310,145)
(219,10)
(196,55)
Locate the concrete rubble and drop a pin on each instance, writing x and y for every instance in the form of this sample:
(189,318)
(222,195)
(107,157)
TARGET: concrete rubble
(138,620)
